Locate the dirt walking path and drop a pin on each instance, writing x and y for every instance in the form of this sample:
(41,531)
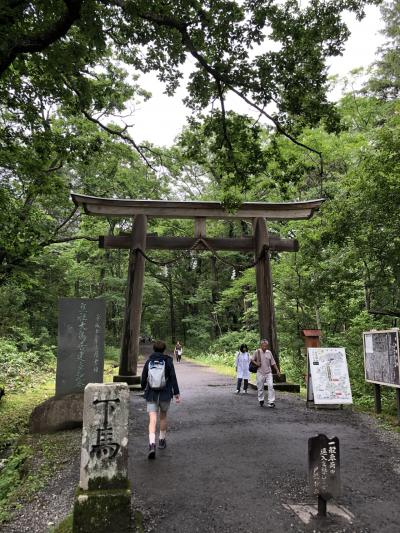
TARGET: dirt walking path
(231,466)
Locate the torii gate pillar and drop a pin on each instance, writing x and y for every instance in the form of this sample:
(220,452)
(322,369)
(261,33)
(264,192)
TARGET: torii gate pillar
(265,296)
(133,308)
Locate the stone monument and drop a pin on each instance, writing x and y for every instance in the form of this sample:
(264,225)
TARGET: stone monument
(103,498)
(80,358)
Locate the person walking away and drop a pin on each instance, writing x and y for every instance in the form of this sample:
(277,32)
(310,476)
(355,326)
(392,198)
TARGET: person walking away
(178,352)
(265,361)
(160,386)
(242,368)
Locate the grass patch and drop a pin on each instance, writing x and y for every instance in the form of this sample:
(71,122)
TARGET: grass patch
(63,527)
(35,460)
(15,409)
(222,363)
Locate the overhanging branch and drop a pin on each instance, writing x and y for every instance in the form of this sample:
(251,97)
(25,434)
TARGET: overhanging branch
(41,40)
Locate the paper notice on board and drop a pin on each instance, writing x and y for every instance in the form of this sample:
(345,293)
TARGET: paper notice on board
(369,348)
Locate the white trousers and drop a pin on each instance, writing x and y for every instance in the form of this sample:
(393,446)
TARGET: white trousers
(261,379)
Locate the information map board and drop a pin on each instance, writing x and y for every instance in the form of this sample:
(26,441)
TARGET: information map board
(381,357)
(329,376)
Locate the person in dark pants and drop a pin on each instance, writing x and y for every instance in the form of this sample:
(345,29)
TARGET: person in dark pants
(178,352)
(160,386)
(242,368)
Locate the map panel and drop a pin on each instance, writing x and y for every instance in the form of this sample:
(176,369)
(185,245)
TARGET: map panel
(330,376)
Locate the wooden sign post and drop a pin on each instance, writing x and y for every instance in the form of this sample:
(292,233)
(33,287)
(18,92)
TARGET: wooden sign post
(324,469)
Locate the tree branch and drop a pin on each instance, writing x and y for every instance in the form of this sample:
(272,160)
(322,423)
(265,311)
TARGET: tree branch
(68,239)
(121,135)
(65,221)
(173,23)
(41,40)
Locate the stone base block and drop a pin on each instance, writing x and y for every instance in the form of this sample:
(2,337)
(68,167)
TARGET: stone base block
(135,388)
(102,511)
(284,387)
(130,380)
(57,413)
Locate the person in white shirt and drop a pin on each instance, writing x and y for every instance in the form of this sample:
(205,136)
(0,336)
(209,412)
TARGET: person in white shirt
(265,361)
(242,368)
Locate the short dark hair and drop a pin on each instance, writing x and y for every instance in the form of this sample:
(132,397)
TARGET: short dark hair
(243,348)
(159,346)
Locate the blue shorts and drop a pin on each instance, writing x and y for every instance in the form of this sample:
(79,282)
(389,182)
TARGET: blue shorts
(153,407)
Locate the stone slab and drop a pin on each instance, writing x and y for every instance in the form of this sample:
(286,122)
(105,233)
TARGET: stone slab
(57,413)
(130,380)
(307,513)
(80,358)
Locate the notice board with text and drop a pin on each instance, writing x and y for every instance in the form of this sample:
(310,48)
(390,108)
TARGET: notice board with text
(381,357)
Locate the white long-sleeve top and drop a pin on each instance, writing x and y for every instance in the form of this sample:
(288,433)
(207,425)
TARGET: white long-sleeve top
(242,365)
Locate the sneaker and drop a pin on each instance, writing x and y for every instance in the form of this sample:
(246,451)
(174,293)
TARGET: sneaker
(245,391)
(162,444)
(261,403)
(271,405)
(237,391)
(152,451)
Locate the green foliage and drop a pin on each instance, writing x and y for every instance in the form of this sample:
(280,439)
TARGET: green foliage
(11,477)
(231,341)
(24,361)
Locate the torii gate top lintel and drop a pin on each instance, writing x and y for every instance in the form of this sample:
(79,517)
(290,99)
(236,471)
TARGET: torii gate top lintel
(96,206)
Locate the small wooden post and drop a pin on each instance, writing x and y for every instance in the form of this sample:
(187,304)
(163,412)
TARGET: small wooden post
(321,507)
(377,398)
(265,297)
(133,310)
(199,227)
(398,403)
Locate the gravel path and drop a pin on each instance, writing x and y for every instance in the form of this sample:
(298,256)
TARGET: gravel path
(231,466)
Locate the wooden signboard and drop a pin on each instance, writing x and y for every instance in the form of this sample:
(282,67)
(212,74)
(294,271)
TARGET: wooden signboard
(329,381)
(382,357)
(324,466)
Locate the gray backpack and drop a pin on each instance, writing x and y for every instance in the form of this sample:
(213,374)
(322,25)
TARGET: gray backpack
(156,375)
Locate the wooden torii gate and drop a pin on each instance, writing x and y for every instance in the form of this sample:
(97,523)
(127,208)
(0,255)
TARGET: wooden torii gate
(261,243)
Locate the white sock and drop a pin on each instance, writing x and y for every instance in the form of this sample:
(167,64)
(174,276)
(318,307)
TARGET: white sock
(163,434)
(152,438)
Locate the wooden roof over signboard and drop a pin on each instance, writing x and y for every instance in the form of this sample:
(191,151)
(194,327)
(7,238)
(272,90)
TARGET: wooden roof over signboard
(93,205)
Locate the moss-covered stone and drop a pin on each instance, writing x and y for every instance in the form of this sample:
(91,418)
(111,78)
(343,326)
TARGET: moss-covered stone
(104,483)
(102,511)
